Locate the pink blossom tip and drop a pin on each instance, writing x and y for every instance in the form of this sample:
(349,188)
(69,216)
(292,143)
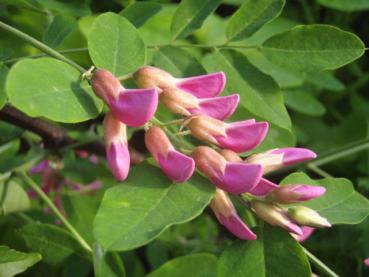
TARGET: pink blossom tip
(263,187)
(203,86)
(366,262)
(237,227)
(118,160)
(292,155)
(306,233)
(296,193)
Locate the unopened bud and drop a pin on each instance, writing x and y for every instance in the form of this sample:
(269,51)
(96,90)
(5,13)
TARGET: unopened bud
(296,193)
(275,215)
(152,77)
(309,217)
(105,85)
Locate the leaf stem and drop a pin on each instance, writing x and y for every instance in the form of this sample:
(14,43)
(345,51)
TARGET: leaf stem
(39,45)
(318,170)
(319,264)
(47,200)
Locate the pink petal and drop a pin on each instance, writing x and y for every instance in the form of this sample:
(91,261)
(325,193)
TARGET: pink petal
(135,107)
(177,166)
(118,160)
(243,137)
(218,107)
(237,227)
(308,192)
(263,187)
(292,155)
(239,177)
(40,167)
(203,86)
(306,233)
(294,228)
(366,262)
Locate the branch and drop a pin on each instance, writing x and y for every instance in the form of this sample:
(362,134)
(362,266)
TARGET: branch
(52,135)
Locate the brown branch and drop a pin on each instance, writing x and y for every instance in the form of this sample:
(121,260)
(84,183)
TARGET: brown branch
(52,135)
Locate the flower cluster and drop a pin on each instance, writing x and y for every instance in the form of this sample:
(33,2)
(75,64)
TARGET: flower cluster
(203,111)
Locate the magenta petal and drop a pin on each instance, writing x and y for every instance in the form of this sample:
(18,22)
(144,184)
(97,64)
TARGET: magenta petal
(177,166)
(203,86)
(263,187)
(308,192)
(294,228)
(306,233)
(135,107)
(118,160)
(237,227)
(243,137)
(218,107)
(239,177)
(40,167)
(292,155)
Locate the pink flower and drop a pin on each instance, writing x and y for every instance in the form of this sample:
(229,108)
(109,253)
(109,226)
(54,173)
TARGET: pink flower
(238,136)
(133,107)
(295,193)
(203,86)
(177,166)
(306,233)
(277,158)
(232,177)
(228,217)
(366,262)
(116,146)
(275,215)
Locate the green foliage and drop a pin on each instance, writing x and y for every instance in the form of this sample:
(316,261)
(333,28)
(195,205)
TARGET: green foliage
(348,6)
(160,205)
(138,13)
(274,253)
(313,48)
(62,96)
(197,265)
(251,16)
(3,74)
(115,44)
(107,264)
(341,204)
(12,198)
(59,29)
(13,262)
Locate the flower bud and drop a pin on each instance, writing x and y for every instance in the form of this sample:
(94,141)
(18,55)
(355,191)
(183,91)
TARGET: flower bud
(177,166)
(306,233)
(203,86)
(274,215)
(276,158)
(296,193)
(227,216)
(134,107)
(116,146)
(263,187)
(239,136)
(309,217)
(232,177)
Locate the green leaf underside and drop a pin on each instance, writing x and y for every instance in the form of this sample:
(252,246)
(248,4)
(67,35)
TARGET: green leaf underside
(178,62)
(54,243)
(52,89)
(135,212)
(251,16)
(312,48)
(304,102)
(138,13)
(190,15)
(260,94)
(13,262)
(344,5)
(274,253)
(341,204)
(115,44)
(13,198)
(196,265)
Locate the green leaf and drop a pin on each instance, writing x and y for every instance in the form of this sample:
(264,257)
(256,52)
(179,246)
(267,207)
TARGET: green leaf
(135,212)
(62,96)
(312,48)
(138,13)
(190,15)
(76,8)
(12,198)
(341,204)
(303,102)
(3,73)
(196,265)
(13,262)
(178,62)
(107,264)
(346,6)
(260,94)
(274,253)
(115,44)
(59,29)
(251,16)
(54,243)
(9,149)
